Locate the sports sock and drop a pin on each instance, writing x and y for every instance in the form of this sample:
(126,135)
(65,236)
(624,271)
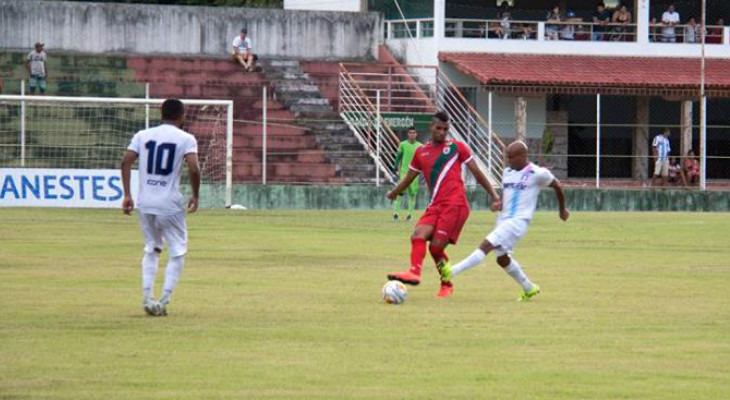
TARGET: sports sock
(149,272)
(515,271)
(438,254)
(418,253)
(411,203)
(172,275)
(396,205)
(476,257)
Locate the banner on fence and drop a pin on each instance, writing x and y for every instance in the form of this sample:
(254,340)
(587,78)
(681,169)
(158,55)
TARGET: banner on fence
(83,188)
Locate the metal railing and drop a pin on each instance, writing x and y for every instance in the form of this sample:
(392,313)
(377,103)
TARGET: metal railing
(574,29)
(404,88)
(468,126)
(364,119)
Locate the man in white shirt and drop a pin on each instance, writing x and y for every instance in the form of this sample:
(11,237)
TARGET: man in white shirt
(521,186)
(670,19)
(243,51)
(37,68)
(161,151)
(661,149)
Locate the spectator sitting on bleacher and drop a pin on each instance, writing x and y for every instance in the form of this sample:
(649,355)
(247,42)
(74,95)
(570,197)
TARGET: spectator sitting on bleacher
(243,51)
(37,69)
(552,31)
(670,19)
(675,173)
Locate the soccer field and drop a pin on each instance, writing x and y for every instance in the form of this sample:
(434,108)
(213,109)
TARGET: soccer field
(286,304)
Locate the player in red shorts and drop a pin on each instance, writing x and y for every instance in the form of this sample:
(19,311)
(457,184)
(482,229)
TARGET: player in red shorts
(440,162)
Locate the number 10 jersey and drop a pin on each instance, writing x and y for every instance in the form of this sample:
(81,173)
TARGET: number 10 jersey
(161,153)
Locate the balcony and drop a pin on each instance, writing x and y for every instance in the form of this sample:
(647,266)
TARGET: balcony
(417,38)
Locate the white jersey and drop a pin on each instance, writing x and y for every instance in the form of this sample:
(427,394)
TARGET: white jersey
(161,152)
(243,45)
(520,190)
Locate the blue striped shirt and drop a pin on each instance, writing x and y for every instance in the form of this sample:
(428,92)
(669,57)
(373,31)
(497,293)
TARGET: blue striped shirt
(661,143)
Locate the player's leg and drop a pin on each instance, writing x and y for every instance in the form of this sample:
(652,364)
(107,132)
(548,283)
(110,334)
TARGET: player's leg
(421,234)
(504,238)
(514,269)
(175,232)
(150,260)
(412,195)
(474,259)
(447,230)
(396,207)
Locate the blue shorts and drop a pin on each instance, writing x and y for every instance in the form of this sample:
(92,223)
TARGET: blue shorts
(37,81)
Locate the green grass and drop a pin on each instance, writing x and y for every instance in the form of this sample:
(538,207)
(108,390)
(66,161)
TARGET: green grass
(286,304)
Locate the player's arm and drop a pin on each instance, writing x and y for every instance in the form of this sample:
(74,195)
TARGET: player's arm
(402,185)
(484,182)
(127,203)
(191,159)
(398,158)
(564,212)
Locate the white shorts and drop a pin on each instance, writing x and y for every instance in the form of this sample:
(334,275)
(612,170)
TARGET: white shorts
(161,229)
(506,235)
(661,168)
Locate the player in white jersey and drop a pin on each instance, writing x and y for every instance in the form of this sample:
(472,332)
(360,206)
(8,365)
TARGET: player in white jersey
(521,184)
(161,153)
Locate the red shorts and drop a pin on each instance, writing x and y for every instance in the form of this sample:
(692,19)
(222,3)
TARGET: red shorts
(447,220)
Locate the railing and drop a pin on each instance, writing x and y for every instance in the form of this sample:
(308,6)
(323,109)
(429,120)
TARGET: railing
(400,91)
(468,126)
(363,118)
(575,29)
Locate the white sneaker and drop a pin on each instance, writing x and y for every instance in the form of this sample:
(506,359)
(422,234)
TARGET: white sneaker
(151,306)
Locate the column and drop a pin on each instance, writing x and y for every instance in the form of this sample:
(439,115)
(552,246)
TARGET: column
(520,118)
(642,20)
(439,21)
(685,141)
(641,154)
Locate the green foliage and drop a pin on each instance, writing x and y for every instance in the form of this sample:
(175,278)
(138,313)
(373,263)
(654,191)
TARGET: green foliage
(212,3)
(286,304)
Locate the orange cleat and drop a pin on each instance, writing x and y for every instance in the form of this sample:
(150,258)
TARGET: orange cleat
(407,277)
(447,289)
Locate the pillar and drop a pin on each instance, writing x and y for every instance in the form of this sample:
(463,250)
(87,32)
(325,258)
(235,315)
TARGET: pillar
(685,134)
(520,118)
(642,8)
(439,21)
(641,140)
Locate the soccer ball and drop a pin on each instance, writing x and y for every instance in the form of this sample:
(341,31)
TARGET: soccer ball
(394,292)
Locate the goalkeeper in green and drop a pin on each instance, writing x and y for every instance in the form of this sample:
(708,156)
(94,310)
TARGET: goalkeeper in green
(406,150)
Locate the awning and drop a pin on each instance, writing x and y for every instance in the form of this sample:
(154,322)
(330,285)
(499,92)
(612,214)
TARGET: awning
(593,74)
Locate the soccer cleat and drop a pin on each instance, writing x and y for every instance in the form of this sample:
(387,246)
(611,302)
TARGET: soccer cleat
(162,310)
(395,217)
(447,289)
(407,277)
(409,217)
(151,306)
(526,296)
(444,268)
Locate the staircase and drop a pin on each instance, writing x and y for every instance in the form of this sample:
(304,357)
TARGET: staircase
(294,89)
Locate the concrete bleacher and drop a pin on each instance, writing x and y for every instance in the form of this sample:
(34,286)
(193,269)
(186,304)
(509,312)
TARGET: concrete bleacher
(295,155)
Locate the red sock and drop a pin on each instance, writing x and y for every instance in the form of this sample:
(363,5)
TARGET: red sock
(418,253)
(438,254)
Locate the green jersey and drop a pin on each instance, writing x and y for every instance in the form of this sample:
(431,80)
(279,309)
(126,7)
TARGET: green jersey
(406,151)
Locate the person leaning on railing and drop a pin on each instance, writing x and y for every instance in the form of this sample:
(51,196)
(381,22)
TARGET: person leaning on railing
(552,32)
(601,19)
(691,31)
(622,16)
(715,33)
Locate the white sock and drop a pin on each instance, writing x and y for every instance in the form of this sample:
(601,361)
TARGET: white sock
(172,275)
(515,271)
(149,272)
(470,262)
